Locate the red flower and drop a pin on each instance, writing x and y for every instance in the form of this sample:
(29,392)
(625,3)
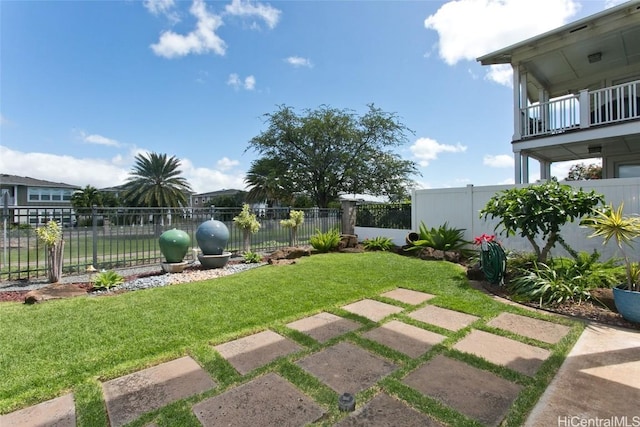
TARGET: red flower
(485,238)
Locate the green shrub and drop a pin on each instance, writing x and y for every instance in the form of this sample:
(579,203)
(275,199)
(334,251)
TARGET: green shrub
(107,280)
(564,279)
(251,257)
(442,238)
(325,242)
(378,243)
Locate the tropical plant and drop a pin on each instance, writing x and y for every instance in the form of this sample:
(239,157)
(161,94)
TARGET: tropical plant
(539,211)
(267,182)
(107,279)
(564,279)
(247,221)
(295,220)
(378,243)
(325,242)
(51,235)
(443,238)
(251,257)
(155,181)
(327,152)
(611,223)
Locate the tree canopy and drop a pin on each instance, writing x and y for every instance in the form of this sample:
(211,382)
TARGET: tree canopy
(582,171)
(155,181)
(327,152)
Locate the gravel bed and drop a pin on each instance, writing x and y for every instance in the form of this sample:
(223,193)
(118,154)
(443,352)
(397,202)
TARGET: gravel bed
(145,277)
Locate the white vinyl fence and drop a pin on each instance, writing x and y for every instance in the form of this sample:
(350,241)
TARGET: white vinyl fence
(460,207)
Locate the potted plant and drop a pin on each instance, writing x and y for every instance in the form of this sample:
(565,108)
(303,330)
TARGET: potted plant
(610,223)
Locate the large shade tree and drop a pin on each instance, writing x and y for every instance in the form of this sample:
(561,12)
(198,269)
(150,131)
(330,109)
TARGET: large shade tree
(327,152)
(155,181)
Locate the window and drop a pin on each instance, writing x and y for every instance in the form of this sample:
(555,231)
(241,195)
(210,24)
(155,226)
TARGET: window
(35,194)
(628,171)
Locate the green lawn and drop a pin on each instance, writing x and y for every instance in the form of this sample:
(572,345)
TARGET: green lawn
(70,345)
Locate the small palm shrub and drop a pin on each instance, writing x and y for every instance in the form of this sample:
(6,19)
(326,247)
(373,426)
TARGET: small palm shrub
(252,257)
(107,280)
(443,238)
(378,243)
(325,242)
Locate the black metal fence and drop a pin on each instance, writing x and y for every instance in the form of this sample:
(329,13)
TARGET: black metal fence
(384,215)
(110,238)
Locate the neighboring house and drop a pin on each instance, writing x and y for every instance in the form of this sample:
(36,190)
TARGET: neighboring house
(576,92)
(52,199)
(205,199)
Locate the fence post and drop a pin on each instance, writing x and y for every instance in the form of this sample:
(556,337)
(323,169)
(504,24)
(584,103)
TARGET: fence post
(94,226)
(348,217)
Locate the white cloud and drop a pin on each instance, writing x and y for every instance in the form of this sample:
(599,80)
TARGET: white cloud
(267,13)
(3,120)
(199,41)
(98,139)
(250,83)
(102,173)
(611,3)
(298,61)
(226,163)
(468,29)
(162,7)
(501,73)
(499,161)
(427,149)
(236,82)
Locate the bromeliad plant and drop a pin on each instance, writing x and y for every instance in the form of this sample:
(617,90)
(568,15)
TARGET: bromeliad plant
(325,242)
(610,223)
(443,238)
(378,243)
(107,279)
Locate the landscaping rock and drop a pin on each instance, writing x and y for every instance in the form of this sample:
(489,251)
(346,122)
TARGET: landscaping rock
(289,253)
(348,241)
(54,291)
(436,254)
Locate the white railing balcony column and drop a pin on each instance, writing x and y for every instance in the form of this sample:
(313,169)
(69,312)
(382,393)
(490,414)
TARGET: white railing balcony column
(583,100)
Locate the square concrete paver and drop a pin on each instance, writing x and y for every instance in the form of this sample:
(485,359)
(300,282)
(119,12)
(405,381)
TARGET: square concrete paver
(129,397)
(249,353)
(371,309)
(407,339)
(324,326)
(408,296)
(475,393)
(346,368)
(386,411)
(537,329)
(58,412)
(447,319)
(503,351)
(269,400)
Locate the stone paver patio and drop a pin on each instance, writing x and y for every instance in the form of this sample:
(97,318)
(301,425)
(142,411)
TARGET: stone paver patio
(270,399)
(254,351)
(324,326)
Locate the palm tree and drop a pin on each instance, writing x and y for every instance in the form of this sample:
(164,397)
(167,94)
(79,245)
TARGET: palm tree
(266,181)
(155,182)
(83,200)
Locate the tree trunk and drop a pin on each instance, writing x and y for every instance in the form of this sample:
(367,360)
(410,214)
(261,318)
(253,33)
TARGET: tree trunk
(246,241)
(55,258)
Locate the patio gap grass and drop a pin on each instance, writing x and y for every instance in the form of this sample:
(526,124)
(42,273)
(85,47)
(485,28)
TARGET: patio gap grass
(70,345)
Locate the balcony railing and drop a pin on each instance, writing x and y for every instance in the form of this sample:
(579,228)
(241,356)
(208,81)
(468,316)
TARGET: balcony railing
(587,109)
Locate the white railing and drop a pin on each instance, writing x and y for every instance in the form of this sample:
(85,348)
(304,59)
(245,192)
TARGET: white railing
(590,108)
(615,103)
(555,116)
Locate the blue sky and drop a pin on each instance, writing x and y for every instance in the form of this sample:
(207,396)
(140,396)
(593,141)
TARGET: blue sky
(87,85)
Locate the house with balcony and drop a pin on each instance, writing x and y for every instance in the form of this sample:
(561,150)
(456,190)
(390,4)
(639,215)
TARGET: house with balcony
(34,201)
(576,94)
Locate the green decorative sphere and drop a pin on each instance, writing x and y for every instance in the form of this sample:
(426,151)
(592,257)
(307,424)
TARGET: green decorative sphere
(174,245)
